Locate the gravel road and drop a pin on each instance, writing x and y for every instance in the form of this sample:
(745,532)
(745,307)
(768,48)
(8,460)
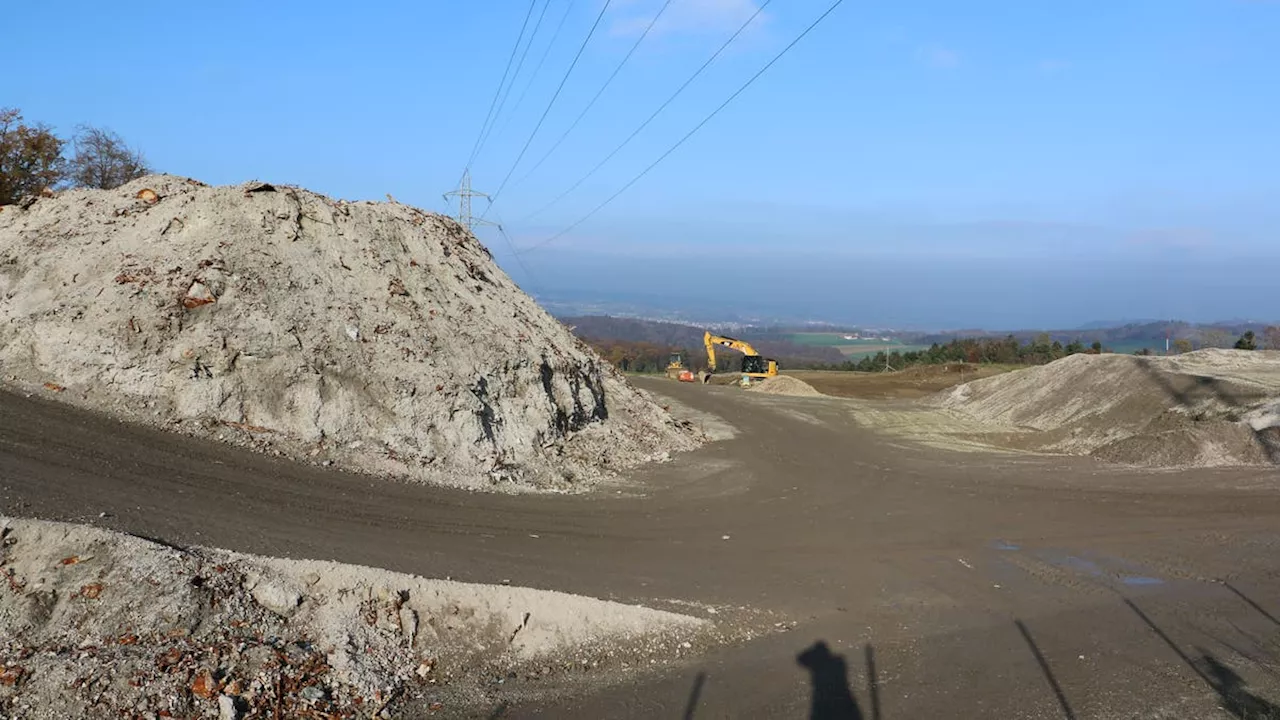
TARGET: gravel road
(945,584)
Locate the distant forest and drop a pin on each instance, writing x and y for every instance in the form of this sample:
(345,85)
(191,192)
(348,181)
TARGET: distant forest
(646,345)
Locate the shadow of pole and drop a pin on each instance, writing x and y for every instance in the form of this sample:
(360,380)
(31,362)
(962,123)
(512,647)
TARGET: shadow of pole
(1047,671)
(694,696)
(873,680)
(1248,600)
(1167,641)
(1229,686)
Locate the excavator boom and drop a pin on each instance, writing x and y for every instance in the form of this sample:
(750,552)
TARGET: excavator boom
(752,363)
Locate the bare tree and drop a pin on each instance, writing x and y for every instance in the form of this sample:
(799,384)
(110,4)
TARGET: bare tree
(30,157)
(1213,337)
(1271,337)
(103,160)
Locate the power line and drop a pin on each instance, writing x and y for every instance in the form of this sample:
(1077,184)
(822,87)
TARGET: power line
(689,134)
(537,69)
(599,92)
(560,87)
(475,149)
(519,66)
(655,114)
(502,230)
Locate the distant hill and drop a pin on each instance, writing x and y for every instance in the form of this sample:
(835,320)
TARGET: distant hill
(1108,324)
(1129,337)
(606,333)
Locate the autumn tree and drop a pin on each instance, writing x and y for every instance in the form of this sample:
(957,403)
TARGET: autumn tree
(103,160)
(30,157)
(1182,345)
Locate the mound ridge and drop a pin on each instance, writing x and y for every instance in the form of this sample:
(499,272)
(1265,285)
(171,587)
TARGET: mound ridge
(1206,408)
(372,334)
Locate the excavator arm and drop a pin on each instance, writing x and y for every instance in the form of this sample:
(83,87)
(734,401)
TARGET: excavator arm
(712,340)
(752,363)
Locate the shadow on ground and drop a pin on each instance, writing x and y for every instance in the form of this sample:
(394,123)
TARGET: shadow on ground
(832,697)
(1268,440)
(1231,689)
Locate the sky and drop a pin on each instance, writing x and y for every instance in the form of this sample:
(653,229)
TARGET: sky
(1128,150)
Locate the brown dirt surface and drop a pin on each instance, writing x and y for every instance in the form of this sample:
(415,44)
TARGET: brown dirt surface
(914,382)
(373,335)
(965,585)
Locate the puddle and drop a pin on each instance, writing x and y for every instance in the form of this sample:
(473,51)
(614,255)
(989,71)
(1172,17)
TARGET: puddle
(1140,580)
(1078,563)
(1006,546)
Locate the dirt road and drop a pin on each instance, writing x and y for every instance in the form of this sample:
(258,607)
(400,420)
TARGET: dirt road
(954,585)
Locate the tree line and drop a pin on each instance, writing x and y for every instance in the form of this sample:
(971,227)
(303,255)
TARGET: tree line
(35,160)
(647,339)
(644,356)
(630,356)
(1010,351)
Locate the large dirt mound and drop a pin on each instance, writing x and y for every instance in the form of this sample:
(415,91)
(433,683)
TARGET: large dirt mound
(96,624)
(373,334)
(1207,408)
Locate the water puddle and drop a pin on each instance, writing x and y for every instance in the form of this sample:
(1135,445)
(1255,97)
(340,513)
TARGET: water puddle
(1140,580)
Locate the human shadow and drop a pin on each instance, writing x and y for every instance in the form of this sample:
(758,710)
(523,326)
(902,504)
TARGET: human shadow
(1229,686)
(1236,698)
(829,677)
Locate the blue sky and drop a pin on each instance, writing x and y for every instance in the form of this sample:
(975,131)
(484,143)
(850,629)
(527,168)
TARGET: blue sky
(1034,133)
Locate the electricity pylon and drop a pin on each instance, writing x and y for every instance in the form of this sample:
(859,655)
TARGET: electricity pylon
(464,193)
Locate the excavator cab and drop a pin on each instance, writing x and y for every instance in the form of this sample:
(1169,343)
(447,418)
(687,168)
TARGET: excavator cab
(754,364)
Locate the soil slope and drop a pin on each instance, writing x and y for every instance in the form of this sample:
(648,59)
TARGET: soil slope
(1207,408)
(372,334)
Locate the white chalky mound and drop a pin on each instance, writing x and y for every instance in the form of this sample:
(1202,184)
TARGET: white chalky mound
(1203,409)
(98,624)
(373,334)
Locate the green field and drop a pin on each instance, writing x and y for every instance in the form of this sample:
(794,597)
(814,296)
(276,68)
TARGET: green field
(833,340)
(853,349)
(857,353)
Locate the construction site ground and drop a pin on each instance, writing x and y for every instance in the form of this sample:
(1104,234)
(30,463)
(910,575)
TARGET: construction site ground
(910,383)
(949,584)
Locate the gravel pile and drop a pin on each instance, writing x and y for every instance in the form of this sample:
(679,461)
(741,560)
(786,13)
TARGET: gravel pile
(373,335)
(784,385)
(1203,409)
(97,624)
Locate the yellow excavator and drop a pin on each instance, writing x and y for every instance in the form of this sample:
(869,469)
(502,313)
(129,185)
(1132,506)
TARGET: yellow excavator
(754,365)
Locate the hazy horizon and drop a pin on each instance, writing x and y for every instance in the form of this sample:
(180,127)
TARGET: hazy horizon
(930,163)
